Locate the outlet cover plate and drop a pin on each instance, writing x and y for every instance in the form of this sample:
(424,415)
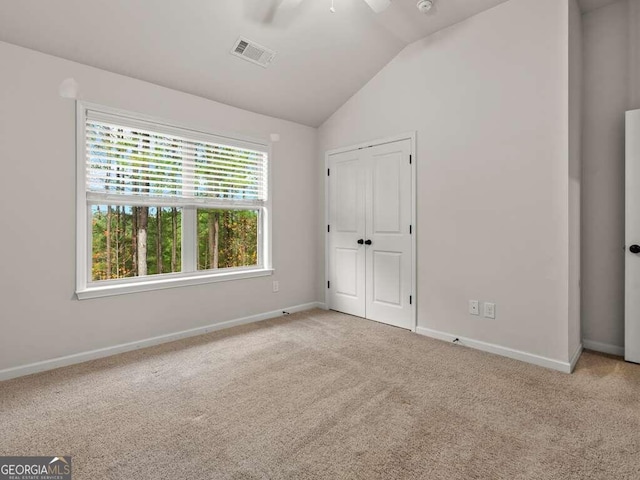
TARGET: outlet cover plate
(474,307)
(489,310)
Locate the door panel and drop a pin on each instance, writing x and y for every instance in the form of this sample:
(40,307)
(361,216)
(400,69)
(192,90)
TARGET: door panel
(346,280)
(632,238)
(346,180)
(387,284)
(346,217)
(389,257)
(386,193)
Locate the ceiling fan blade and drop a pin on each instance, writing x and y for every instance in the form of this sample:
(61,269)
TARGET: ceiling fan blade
(378,5)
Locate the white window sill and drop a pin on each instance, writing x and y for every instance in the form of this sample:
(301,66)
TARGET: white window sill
(162,283)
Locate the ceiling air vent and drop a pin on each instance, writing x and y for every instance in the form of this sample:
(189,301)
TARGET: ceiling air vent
(252,52)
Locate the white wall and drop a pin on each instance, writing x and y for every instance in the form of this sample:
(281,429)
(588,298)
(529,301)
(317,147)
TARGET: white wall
(575,170)
(40,319)
(489,100)
(611,74)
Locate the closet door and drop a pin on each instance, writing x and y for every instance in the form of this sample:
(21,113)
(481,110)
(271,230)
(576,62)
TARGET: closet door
(388,222)
(369,238)
(346,235)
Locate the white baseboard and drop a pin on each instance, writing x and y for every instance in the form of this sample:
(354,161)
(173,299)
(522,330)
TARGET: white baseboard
(45,365)
(603,347)
(574,358)
(558,365)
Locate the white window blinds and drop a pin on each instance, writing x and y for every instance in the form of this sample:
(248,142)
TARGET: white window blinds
(157,164)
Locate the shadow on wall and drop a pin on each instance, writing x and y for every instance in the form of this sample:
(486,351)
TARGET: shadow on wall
(611,86)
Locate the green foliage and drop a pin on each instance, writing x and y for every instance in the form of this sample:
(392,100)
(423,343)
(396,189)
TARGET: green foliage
(237,238)
(115,240)
(119,243)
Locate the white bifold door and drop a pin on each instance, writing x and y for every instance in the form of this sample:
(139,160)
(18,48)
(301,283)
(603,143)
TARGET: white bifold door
(632,239)
(370,233)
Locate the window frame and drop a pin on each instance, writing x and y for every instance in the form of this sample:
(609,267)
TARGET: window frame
(87,288)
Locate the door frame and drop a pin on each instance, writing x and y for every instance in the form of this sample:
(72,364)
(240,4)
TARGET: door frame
(411,136)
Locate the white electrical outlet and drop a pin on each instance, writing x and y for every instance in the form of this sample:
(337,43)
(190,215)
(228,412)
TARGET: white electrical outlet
(489,310)
(474,307)
(276,286)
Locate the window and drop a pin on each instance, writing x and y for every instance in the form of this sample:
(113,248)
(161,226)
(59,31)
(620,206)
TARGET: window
(162,206)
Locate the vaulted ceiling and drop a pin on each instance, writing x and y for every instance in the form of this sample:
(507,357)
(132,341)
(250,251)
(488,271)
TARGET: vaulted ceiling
(322,58)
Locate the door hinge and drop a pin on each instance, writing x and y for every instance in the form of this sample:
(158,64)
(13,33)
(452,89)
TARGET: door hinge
(328,284)
(410,299)
(328,172)
(410,158)
(328,228)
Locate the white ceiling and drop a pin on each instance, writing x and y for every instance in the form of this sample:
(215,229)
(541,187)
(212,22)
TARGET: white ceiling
(322,59)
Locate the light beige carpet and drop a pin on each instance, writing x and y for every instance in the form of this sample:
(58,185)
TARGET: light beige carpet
(321,395)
